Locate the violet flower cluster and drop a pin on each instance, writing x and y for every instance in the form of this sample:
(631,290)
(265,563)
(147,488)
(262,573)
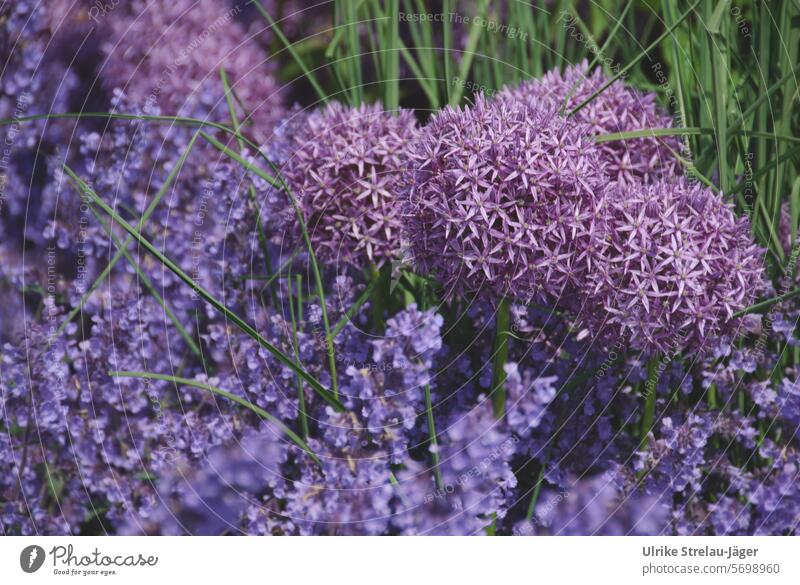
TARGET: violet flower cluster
(605,252)
(346,168)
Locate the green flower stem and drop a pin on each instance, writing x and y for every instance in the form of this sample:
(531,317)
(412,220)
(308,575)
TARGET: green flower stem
(650,393)
(500,357)
(296,318)
(434,442)
(380,292)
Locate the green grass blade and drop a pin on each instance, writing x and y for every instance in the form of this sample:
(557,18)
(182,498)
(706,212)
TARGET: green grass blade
(301,399)
(434,441)
(467,57)
(148,284)
(391,53)
(278,182)
(142,221)
(636,60)
(363,298)
(262,238)
(290,47)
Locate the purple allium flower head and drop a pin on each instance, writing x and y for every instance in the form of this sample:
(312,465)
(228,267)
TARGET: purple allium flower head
(618,109)
(169,54)
(504,200)
(345,169)
(677,265)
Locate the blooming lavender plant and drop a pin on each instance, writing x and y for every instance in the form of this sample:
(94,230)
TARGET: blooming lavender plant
(475,484)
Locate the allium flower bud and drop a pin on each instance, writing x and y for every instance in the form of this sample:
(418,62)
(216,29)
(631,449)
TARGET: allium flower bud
(345,169)
(504,200)
(618,109)
(677,265)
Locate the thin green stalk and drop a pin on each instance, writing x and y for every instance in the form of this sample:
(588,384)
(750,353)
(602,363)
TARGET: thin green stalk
(447,57)
(262,238)
(500,357)
(636,60)
(349,14)
(278,182)
(537,488)
(391,53)
(678,70)
(148,284)
(717,27)
(237,399)
(363,298)
(650,393)
(379,293)
(467,57)
(434,442)
(426,81)
(617,23)
(290,47)
(205,295)
(766,304)
(301,398)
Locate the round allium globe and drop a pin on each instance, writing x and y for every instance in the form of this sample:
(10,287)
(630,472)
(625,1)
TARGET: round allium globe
(677,264)
(618,109)
(345,169)
(503,200)
(168,55)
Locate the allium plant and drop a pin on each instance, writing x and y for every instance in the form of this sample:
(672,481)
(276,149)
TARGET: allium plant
(345,168)
(619,108)
(676,265)
(504,200)
(168,55)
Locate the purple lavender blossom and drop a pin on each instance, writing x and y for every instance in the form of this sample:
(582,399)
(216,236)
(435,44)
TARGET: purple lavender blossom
(477,481)
(214,496)
(597,506)
(351,494)
(618,109)
(504,200)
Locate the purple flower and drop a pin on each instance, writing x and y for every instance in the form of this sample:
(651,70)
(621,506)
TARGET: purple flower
(169,55)
(345,168)
(676,265)
(504,200)
(618,109)
(476,478)
(595,506)
(212,496)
